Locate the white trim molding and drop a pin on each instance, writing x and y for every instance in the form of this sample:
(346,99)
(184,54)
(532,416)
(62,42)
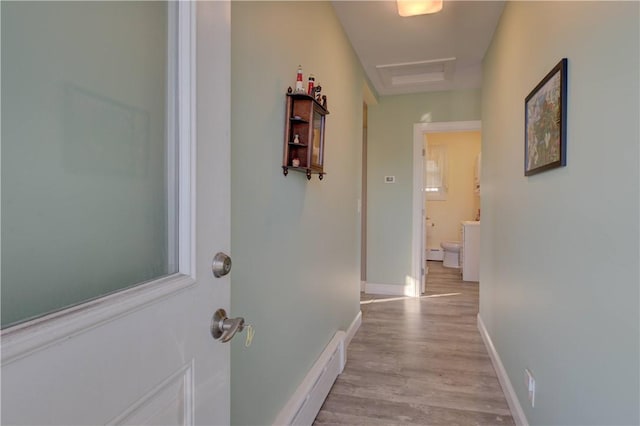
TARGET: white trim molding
(510,394)
(418,254)
(305,403)
(176,391)
(35,335)
(186,43)
(449,126)
(389,289)
(353,328)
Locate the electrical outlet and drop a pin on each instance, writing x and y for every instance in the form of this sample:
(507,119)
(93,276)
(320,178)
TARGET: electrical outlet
(530,383)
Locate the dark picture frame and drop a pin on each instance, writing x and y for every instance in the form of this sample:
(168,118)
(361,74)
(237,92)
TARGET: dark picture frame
(545,130)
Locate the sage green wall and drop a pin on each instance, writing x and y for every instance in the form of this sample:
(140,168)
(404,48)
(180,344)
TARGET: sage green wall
(295,243)
(390,153)
(559,263)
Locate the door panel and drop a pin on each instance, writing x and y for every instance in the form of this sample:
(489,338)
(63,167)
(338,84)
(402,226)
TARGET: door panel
(145,355)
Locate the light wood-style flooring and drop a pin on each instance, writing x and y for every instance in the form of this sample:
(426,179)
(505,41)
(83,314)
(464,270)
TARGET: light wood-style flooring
(419,362)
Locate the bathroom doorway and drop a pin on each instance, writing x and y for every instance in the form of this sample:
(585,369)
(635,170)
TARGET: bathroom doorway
(438,133)
(451,191)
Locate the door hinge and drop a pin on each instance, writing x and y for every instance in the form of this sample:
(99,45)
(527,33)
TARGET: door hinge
(423,152)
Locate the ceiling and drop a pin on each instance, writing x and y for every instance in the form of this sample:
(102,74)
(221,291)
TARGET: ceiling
(424,53)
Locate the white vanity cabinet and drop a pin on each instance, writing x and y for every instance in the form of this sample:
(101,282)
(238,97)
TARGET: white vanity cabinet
(470,251)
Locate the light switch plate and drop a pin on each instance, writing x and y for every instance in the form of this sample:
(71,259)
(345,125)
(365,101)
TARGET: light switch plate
(389,179)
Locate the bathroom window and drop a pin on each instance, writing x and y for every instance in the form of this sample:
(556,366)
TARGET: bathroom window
(435,175)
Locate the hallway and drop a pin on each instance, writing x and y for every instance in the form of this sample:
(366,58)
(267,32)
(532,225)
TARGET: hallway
(419,362)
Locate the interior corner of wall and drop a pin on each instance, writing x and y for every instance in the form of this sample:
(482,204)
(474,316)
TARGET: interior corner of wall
(368,94)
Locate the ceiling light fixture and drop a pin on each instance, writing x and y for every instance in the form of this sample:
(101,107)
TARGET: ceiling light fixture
(418,7)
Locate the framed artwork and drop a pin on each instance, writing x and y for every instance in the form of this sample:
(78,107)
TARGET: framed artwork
(545,138)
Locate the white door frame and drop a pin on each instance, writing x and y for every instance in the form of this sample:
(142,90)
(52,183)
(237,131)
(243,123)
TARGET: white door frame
(418,255)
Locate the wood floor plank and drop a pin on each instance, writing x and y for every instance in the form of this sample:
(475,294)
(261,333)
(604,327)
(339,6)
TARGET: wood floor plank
(419,361)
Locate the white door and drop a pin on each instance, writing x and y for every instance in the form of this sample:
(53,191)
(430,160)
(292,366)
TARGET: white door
(142,355)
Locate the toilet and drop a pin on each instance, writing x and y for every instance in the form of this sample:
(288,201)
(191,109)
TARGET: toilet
(451,254)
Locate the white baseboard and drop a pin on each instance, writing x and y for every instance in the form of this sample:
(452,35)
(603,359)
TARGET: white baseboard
(510,394)
(351,331)
(305,403)
(387,289)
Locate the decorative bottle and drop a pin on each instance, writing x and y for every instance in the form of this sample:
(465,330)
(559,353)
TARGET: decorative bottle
(312,80)
(299,80)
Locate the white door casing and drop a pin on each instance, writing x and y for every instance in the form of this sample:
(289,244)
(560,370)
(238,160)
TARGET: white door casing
(145,355)
(418,257)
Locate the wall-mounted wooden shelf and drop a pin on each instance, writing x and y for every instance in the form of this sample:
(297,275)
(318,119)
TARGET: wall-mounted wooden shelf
(306,119)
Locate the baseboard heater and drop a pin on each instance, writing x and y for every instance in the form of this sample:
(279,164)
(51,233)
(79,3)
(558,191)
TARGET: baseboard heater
(305,403)
(435,254)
